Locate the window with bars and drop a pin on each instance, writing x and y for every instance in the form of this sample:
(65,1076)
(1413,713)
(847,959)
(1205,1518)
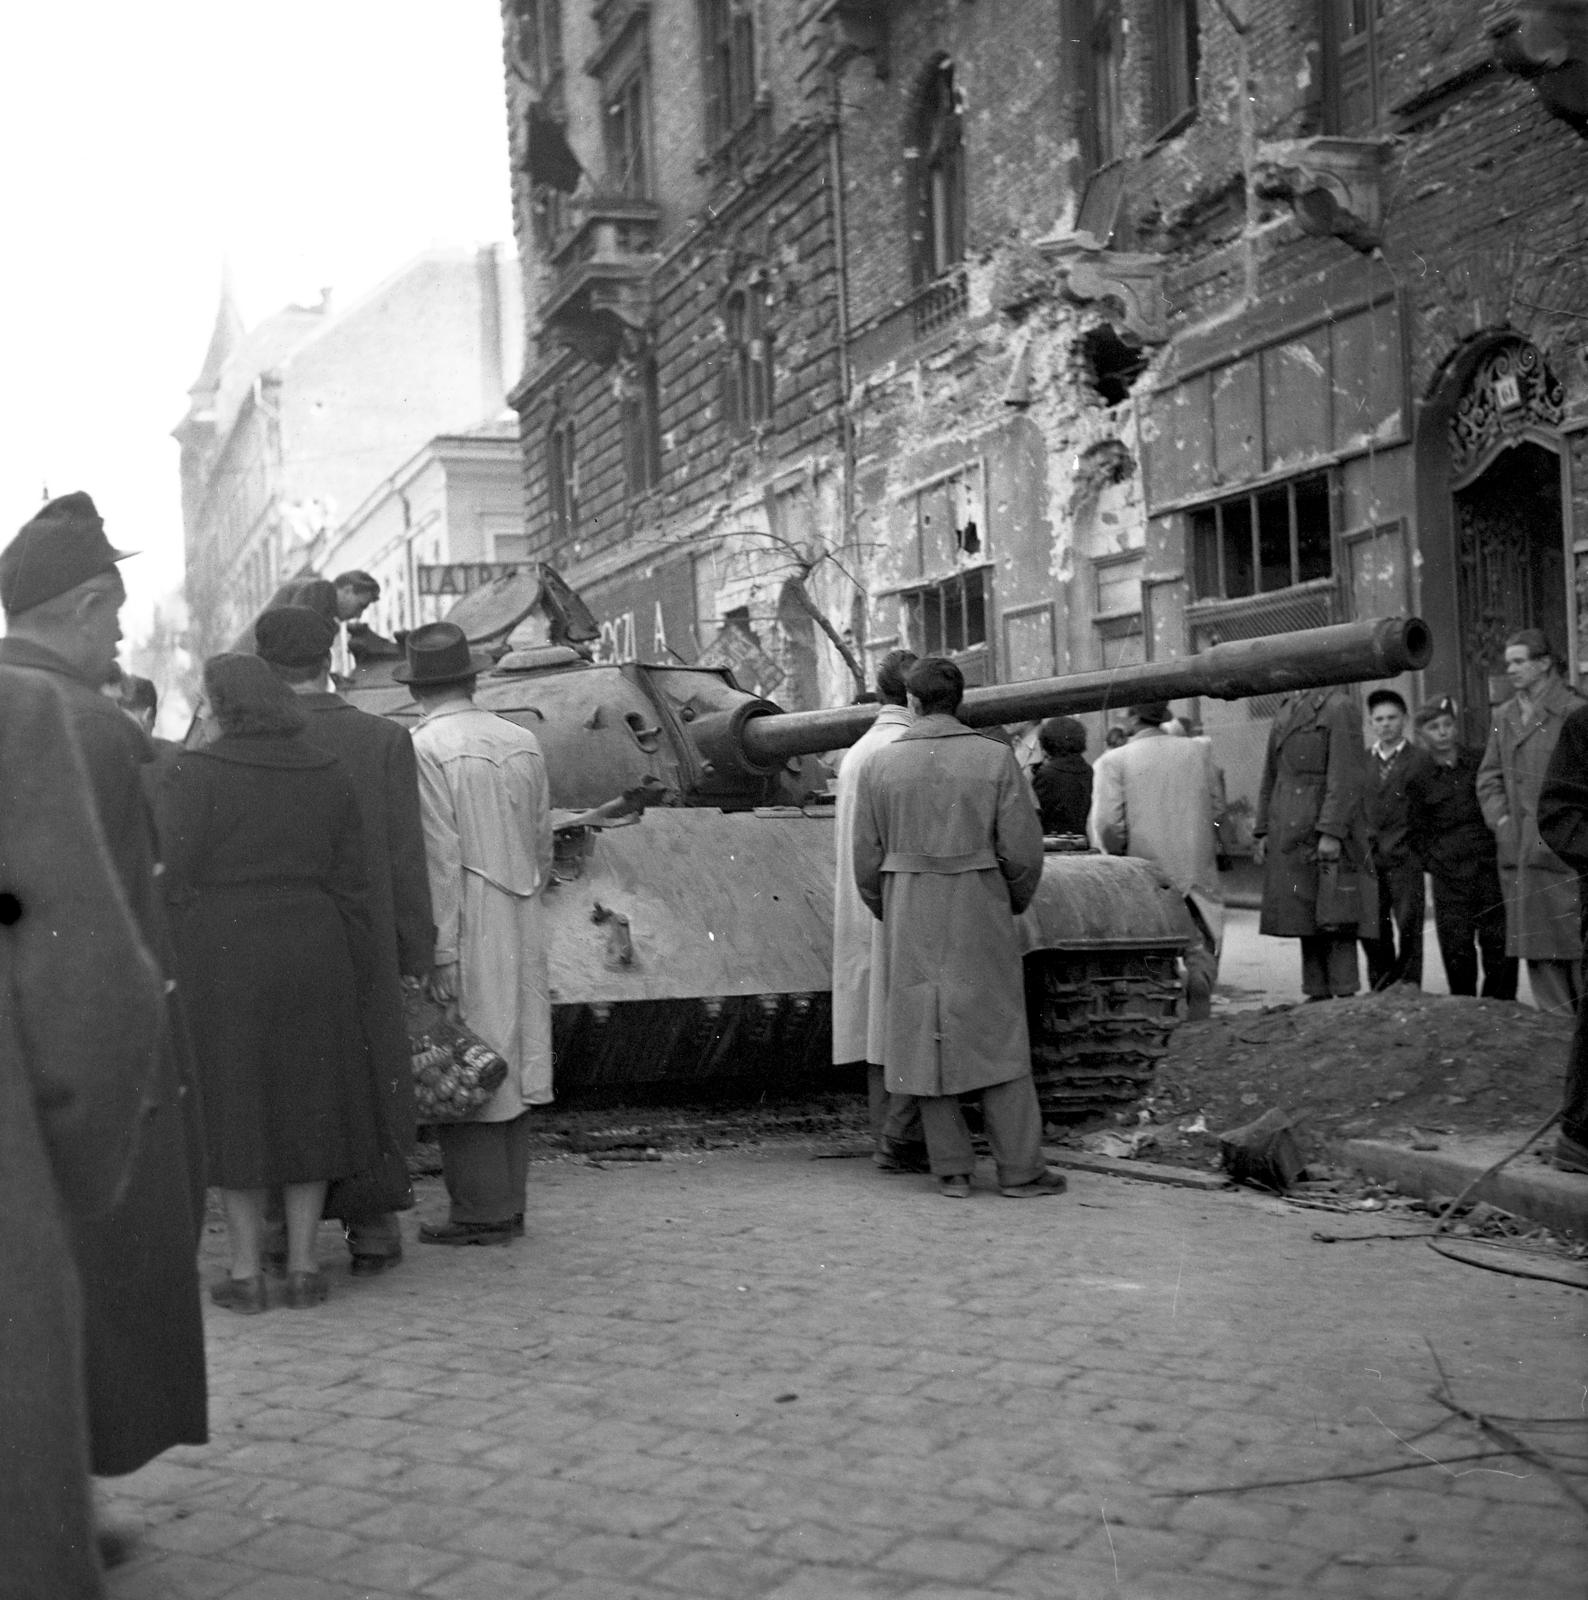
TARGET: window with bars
(937,156)
(950,617)
(1263,541)
(746,358)
(562,478)
(627,135)
(1174,64)
(727,29)
(1349,36)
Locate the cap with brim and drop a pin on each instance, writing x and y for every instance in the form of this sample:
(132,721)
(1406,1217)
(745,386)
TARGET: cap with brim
(439,653)
(1386,697)
(1154,712)
(294,636)
(1432,710)
(61,547)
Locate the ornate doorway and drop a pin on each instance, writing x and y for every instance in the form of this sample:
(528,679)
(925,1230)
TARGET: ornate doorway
(1510,542)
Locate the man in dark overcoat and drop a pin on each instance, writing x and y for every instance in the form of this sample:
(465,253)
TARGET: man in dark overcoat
(80,1014)
(1541,909)
(1394,947)
(1446,832)
(1563,826)
(1310,811)
(379,755)
(144,1333)
(947,853)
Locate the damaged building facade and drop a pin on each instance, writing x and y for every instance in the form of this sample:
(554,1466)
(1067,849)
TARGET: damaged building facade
(1055,336)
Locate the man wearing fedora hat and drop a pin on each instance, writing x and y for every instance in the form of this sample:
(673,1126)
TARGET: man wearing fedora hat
(296,643)
(144,1336)
(486,810)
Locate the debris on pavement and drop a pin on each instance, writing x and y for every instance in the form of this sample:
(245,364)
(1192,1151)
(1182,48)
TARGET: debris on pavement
(1263,1153)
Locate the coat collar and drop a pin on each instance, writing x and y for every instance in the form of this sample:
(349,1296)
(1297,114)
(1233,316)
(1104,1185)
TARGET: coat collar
(1557,700)
(19,652)
(268,750)
(894,717)
(323,700)
(453,708)
(938,726)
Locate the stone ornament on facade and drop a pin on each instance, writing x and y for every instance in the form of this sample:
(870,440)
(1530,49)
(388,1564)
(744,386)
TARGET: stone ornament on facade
(1511,393)
(1130,281)
(1336,186)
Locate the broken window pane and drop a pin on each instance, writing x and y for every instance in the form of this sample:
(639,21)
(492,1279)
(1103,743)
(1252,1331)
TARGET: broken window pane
(1236,533)
(1273,539)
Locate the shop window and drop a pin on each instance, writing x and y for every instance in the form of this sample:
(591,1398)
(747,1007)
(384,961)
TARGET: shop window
(1174,64)
(640,402)
(747,358)
(1263,542)
(727,30)
(562,478)
(1350,44)
(937,161)
(950,617)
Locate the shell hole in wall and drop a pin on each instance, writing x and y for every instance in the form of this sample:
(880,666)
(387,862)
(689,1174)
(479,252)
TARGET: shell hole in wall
(1112,364)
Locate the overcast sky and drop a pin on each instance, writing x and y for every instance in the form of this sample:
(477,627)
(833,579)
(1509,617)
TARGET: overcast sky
(307,143)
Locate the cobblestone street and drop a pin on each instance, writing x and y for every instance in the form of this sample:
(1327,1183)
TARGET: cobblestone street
(762,1375)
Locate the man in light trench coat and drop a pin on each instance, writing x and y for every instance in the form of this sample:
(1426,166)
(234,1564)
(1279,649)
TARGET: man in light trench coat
(1541,910)
(858,999)
(1155,798)
(948,852)
(485,805)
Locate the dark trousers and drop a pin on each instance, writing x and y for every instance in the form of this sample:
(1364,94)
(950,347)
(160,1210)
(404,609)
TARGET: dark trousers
(1469,921)
(1328,965)
(485,1166)
(1574,1108)
(895,1119)
(1395,953)
(1013,1122)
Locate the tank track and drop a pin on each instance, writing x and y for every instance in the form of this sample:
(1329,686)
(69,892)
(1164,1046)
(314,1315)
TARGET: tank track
(1100,1021)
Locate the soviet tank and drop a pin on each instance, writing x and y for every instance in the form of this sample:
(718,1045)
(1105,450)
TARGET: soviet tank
(691,909)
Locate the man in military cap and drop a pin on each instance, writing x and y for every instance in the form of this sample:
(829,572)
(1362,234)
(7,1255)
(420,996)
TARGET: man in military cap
(144,1337)
(485,804)
(296,642)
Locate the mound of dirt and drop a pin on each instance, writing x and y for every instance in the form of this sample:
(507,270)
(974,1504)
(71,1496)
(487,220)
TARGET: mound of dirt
(1374,1066)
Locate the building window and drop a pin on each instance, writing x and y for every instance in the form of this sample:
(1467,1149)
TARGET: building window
(937,157)
(1264,541)
(639,399)
(1101,33)
(562,478)
(1349,30)
(747,358)
(540,50)
(627,135)
(1174,64)
(727,30)
(950,617)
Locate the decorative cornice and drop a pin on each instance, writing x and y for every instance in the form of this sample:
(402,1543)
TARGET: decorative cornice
(1134,282)
(1336,186)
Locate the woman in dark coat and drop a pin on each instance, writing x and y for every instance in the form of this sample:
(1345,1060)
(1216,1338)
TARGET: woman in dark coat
(265,873)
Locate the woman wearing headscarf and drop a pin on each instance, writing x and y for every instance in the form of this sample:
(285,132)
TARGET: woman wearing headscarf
(265,874)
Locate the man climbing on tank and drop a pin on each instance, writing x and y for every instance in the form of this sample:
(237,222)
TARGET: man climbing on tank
(948,852)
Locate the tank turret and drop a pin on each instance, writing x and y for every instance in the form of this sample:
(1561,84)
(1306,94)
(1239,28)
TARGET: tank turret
(691,946)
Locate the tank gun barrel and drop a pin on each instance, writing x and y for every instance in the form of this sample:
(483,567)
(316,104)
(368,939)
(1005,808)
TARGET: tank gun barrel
(1347,652)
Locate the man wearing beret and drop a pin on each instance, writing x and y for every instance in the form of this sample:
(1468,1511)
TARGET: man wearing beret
(296,642)
(144,1336)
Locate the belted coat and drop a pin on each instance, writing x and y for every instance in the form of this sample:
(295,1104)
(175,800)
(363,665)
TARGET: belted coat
(1541,912)
(81,1008)
(1314,781)
(948,852)
(857,983)
(144,1329)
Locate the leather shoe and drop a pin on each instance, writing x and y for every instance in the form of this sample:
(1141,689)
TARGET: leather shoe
(465,1232)
(245,1296)
(373,1266)
(955,1187)
(305,1289)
